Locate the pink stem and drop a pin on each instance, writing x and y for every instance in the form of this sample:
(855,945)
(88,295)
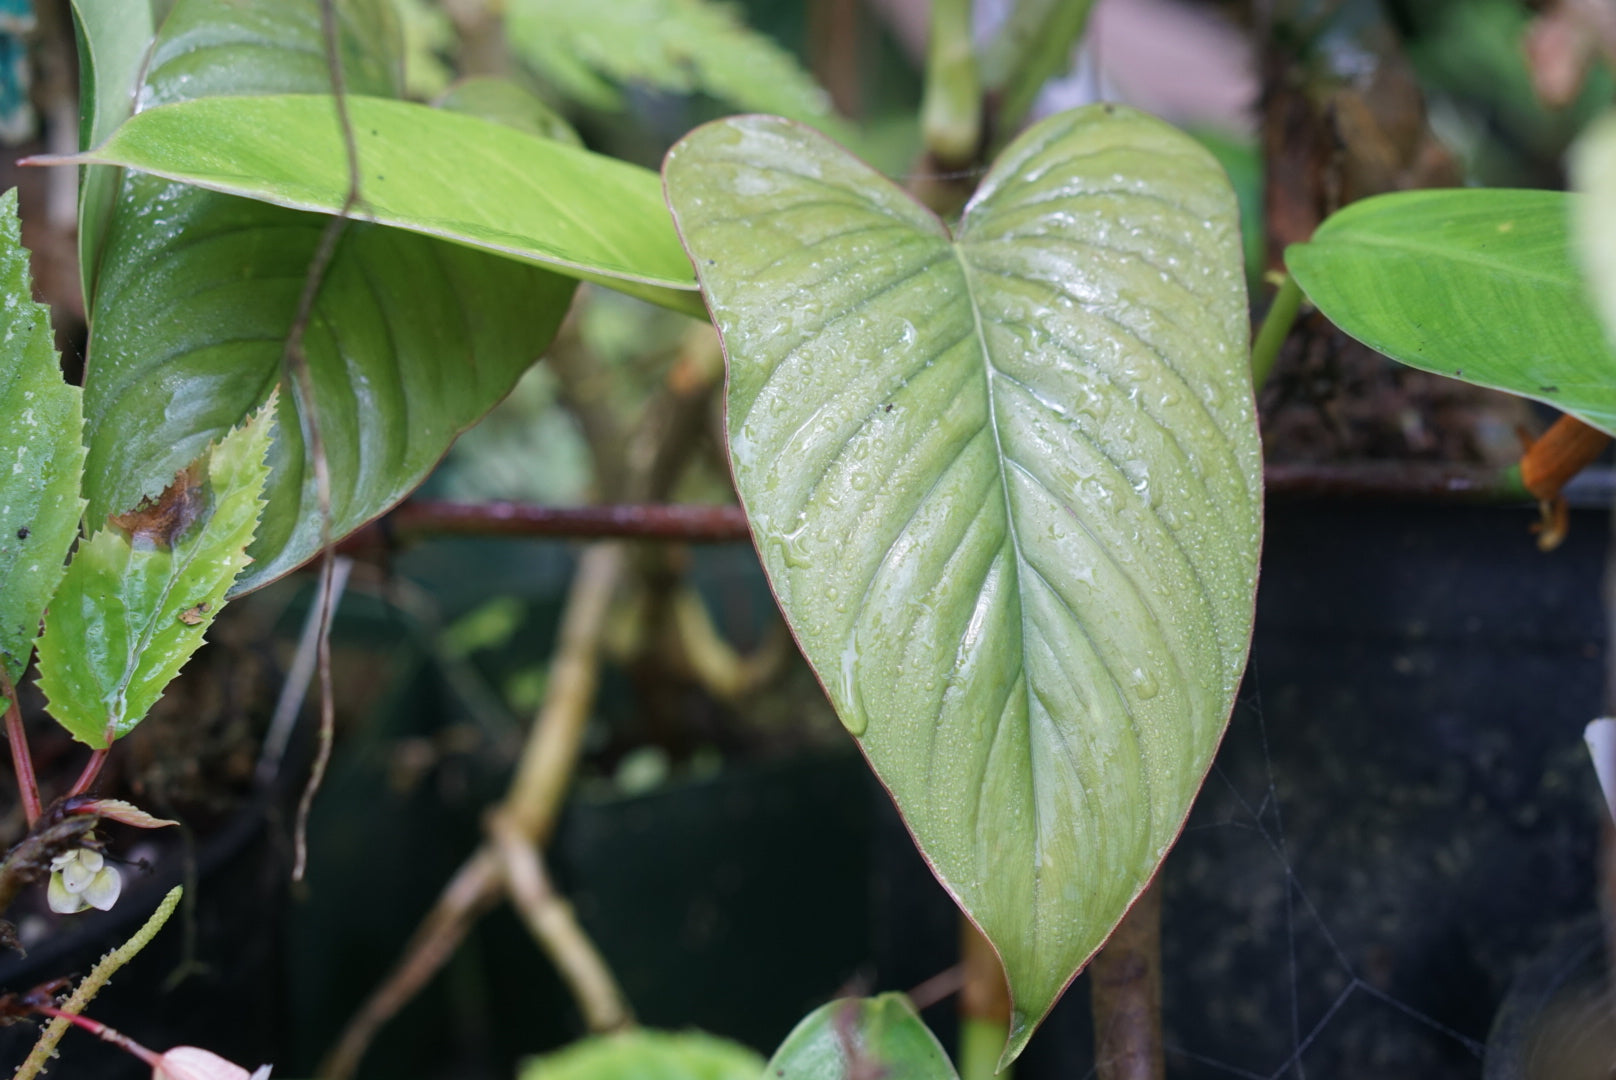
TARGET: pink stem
(101,1031)
(92,769)
(21,761)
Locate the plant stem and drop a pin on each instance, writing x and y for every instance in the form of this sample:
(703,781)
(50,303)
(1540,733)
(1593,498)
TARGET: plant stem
(22,762)
(984,1007)
(1276,327)
(295,365)
(540,784)
(92,770)
(551,921)
(641,521)
(472,891)
(1125,988)
(533,801)
(100,1031)
(951,114)
(90,986)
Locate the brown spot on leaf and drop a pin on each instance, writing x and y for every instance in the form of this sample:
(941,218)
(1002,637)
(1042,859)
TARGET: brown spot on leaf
(191,616)
(160,522)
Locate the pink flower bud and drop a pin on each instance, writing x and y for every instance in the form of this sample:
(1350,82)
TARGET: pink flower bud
(194,1063)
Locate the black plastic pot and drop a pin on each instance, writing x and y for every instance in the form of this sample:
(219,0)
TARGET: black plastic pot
(1559,1020)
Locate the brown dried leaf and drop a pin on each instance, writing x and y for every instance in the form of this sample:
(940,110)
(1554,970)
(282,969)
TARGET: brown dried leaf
(127,813)
(160,522)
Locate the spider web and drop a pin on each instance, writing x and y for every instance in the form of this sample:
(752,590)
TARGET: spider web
(1312,999)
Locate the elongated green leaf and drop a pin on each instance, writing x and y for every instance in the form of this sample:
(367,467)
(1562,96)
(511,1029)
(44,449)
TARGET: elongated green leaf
(41,455)
(410,341)
(1006,486)
(432,171)
(589,48)
(861,1037)
(1593,171)
(140,593)
(1479,285)
(648,1055)
(113,37)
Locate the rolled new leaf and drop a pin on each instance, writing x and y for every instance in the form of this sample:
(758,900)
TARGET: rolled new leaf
(1006,484)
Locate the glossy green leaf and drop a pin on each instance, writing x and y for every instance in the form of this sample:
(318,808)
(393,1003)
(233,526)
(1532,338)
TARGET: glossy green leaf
(113,37)
(432,171)
(589,48)
(411,339)
(1593,171)
(648,1055)
(1476,284)
(855,1038)
(41,454)
(1006,485)
(141,592)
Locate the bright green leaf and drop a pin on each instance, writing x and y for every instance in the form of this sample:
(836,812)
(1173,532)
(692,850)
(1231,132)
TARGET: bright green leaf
(1006,486)
(113,37)
(1476,284)
(431,171)
(589,48)
(855,1038)
(411,340)
(140,594)
(647,1055)
(41,455)
(1593,171)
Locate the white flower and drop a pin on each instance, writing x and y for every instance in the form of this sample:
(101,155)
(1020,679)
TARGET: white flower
(194,1063)
(80,879)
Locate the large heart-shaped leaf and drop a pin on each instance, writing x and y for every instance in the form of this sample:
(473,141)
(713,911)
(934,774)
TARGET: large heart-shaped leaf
(1006,485)
(1476,284)
(141,593)
(433,171)
(41,455)
(853,1038)
(412,338)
